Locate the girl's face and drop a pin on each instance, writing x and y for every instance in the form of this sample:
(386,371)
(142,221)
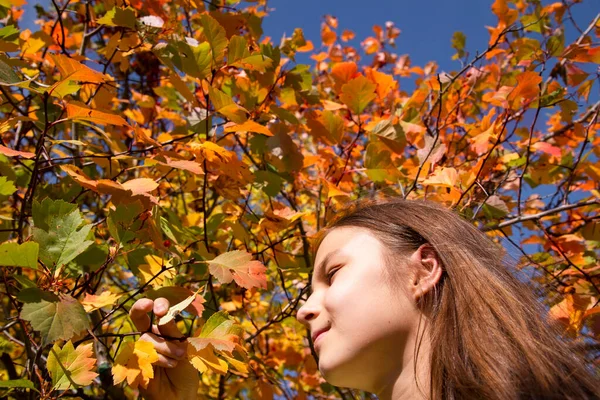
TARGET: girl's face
(369,327)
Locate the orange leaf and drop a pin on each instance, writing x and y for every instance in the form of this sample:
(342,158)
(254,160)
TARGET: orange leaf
(73,70)
(77,174)
(385,83)
(14,153)
(527,88)
(342,73)
(327,35)
(140,185)
(249,126)
(80,112)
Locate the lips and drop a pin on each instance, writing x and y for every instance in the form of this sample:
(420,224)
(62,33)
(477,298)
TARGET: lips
(317,333)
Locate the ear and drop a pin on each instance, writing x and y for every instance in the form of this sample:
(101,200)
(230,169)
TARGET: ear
(427,270)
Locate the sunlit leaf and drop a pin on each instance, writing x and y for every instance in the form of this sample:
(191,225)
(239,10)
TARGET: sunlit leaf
(134,364)
(238,265)
(19,255)
(71,367)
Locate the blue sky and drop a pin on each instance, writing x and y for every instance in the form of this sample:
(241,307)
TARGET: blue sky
(427,26)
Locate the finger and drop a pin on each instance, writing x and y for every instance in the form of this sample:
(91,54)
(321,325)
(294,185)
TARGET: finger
(165,362)
(161,306)
(167,348)
(139,314)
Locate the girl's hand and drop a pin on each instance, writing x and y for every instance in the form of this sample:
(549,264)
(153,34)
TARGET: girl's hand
(174,376)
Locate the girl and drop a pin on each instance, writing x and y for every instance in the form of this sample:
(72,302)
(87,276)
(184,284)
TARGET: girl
(411,302)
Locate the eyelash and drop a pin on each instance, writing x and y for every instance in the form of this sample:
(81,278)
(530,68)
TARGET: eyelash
(331,273)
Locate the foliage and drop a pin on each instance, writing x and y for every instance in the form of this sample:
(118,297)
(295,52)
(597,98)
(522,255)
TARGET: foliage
(169,149)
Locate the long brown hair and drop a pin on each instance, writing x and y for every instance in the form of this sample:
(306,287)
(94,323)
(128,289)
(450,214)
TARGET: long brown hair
(489,339)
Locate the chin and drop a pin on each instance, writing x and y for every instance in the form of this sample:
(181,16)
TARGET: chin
(340,374)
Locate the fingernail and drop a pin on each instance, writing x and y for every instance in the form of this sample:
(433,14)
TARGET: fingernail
(179,352)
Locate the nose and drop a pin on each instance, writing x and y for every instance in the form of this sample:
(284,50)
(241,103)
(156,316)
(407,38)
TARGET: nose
(308,311)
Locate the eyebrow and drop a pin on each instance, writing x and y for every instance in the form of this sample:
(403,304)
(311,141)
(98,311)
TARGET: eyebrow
(328,257)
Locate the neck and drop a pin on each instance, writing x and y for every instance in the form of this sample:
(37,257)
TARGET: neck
(402,385)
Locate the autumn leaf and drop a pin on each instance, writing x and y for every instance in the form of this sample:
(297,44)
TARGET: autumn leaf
(157,268)
(71,367)
(93,302)
(442,176)
(219,335)
(343,72)
(238,265)
(249,126)
(358,93)
(134,364)
(14,153)
(119,16)
(80,112)
(177,309)
(206,359)
(227,107)
(71,73)
(177,294)
(527,88)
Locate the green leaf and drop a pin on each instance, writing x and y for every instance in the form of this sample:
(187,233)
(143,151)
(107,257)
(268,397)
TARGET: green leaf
(7,75)
(19,255)
(358,93)
(43,211)
(237,49)
(118,16)
(225,106)
(194,60)
(64,238)
(18,383)
(458,43)
(6,187)
(495,207)
(216,37)
(272,183)
(62,318)
(123,222)
(25,281)
(10,33)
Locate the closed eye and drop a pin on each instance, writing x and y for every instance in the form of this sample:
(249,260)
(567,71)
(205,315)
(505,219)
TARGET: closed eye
(331,274)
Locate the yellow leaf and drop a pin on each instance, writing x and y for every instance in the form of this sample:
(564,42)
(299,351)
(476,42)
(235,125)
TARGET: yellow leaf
(93,302)
(206,359)
(134,364)
(333,190)
(225,106)
(153,267)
